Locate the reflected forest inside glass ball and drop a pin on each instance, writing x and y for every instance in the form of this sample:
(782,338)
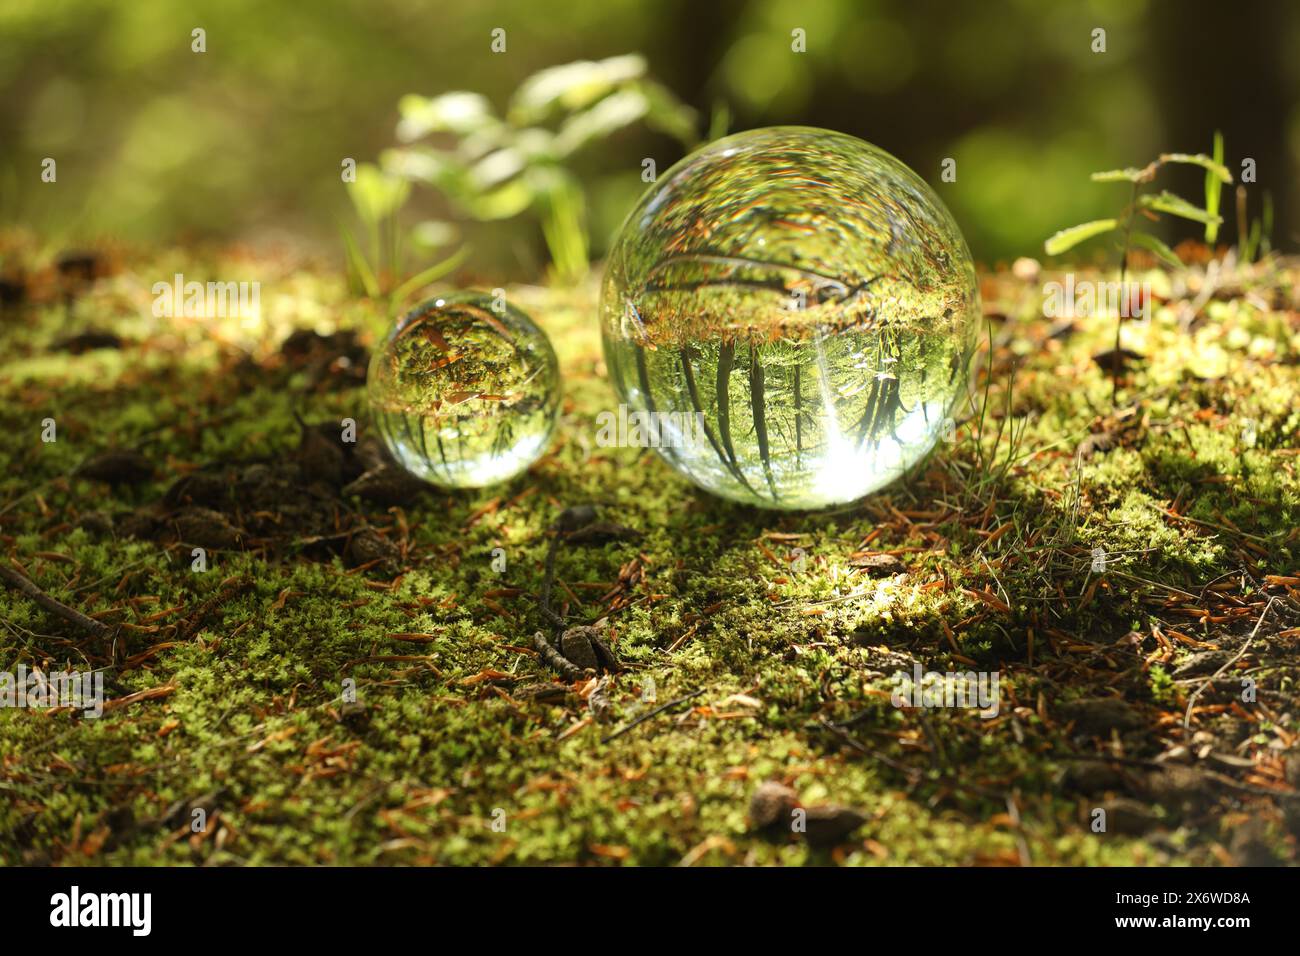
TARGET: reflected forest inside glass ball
(806,301)
(465,391)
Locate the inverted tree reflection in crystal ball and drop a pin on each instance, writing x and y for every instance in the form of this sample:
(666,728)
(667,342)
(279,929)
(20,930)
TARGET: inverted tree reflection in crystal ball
(465,391)
(797,310)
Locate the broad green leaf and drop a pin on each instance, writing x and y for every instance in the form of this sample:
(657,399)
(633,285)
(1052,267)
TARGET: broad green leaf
(1216,169)
(458,112)
(548,182)
(612,113)
(1213,187)
(435,167)
(1167,202)
(573,86)
(434,234)
(1152,244)
(501,203)
(474,146)
(496,168)
(1069,238)
(536,144)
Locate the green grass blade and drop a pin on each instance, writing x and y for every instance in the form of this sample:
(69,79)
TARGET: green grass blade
(358,264)
(1214,189)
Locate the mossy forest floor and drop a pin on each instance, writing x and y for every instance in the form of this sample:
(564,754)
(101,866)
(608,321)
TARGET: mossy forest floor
(1124,690)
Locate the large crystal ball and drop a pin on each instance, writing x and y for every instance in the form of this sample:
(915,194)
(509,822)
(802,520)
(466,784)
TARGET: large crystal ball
(788,315)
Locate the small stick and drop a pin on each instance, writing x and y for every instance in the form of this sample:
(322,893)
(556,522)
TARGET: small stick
(839,731)
(21,583)
(551,652)
(1187,717)
(1214,775)
(653,713)
(193,621)
(548,653)
(913,775)
(1022,846)
(1123,291)
(548,583)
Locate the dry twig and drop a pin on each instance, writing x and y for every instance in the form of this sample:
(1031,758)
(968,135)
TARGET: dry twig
(20,582)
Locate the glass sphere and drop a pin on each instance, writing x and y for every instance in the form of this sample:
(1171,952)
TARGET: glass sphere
(465,391)
(796,310)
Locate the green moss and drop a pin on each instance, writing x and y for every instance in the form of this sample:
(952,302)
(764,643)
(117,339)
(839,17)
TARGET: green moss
(256,732)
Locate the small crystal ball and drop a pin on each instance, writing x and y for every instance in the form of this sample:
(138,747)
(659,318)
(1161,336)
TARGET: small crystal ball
(465,391)
(792,312)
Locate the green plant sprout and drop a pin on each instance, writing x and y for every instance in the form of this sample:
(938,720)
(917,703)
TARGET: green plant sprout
(497,168)
(1150,205)
(378,196)
(1253,235)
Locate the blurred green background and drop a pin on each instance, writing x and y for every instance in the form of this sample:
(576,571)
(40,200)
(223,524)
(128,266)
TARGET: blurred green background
(155,142)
